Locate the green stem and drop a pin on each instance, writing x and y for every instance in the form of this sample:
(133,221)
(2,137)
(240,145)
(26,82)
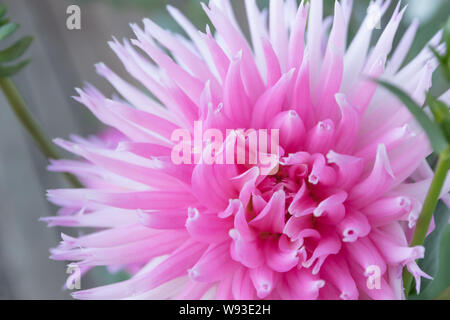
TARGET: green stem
(429,206)
(19,108)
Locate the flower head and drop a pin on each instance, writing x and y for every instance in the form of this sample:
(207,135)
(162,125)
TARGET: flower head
(332,217)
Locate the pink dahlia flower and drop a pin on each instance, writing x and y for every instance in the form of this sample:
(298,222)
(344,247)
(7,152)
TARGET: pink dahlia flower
(331,221)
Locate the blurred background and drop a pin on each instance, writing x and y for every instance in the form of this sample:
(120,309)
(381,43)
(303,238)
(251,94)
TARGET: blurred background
(63,59)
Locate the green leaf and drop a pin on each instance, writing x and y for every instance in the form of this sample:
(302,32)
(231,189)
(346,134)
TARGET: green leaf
(8,71)
(442,279)
(434,132)
(444,61)
(3,10)
(8,29)
(430,264)
(441,114)
(16,50)
(438,108)
(437,55)
(447,35)
(4,21)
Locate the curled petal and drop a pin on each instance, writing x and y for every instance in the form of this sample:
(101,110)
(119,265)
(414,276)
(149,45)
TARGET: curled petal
(377,183)
(271,218)
(217,256)
(207,228)
(355,225)
(264,281)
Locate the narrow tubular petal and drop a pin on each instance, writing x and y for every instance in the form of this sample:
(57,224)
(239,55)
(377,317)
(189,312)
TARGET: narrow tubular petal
(349,169)
(273,66)
(347,7)
(190,85)
(355,225)
(128,60)
(300,228)
(216,257)
(271,102)
(297,37)
(182,53)
(217,190)
(280,260)
(131,252)
(235,41)
(145,150)
(133,95)
(258,30)
(366,256)
(108,238)
(362,93)
(264,281)
(192,32)
(218,56)
(271,218)
(279,32)
(193,291)
(100,107)
(390,139)
(163,292)
(164,220)
(321,173)
(242,285)
(301,94)
(302,204)
(390,209)
(378,182)
(236,102)
(328,245)
(314,40)
(207,228)
(347,131)
(146,171)
(384,44)
(331,210)
(106,218)
(337,264)
(292,130)
(356,55)
(321,137)
(417,63)
(248,253)
(151,200)
(332,70)
(394,253)
(173,267)
(402,48)
(301,285)
(418,148)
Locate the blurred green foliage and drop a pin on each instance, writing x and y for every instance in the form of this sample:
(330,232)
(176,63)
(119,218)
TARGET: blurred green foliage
(15,51)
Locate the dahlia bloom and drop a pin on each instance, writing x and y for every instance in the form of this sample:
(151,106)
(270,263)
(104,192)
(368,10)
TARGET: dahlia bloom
(331,221)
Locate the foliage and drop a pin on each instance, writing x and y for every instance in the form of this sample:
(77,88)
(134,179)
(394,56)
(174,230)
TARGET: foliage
(9,56)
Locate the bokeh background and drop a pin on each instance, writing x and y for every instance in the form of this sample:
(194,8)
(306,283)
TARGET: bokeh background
(62,60)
